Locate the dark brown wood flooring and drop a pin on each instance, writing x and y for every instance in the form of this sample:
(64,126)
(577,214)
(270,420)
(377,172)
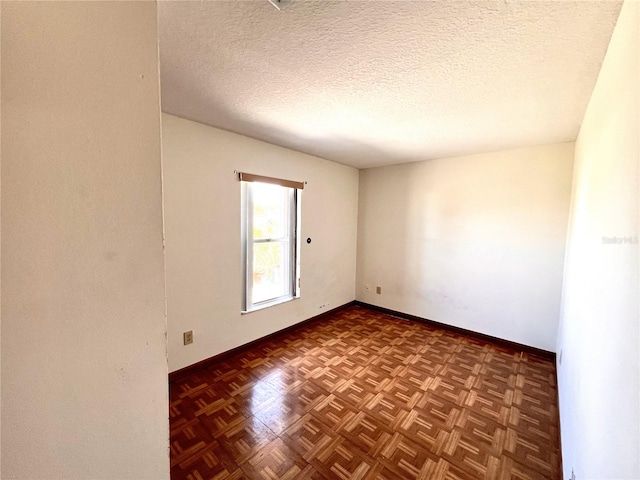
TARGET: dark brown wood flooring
(364,395)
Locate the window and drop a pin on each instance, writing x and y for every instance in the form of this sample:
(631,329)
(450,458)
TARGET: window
(270,236)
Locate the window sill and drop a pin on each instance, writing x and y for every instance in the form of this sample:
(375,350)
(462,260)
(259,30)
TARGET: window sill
(269,304)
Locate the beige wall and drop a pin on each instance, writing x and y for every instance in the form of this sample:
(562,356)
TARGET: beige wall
(476,242)
(599,366)
(84,368)
(202,225)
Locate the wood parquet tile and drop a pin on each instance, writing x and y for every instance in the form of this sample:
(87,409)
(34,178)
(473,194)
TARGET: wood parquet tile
(364,395)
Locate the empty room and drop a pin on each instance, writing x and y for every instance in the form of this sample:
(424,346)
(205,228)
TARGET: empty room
(320,240)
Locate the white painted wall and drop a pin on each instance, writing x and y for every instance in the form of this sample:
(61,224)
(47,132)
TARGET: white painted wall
(202,225)
(476,242)
(84,368)
(599,375)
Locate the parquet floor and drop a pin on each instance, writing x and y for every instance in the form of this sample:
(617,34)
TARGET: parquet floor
(363,395)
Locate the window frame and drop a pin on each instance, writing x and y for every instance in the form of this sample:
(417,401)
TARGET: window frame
(248,241)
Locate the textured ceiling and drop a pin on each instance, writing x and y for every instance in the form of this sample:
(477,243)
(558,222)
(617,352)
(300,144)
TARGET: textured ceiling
(383,82)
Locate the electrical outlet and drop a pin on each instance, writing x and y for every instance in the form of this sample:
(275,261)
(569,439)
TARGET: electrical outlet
(188,337)
(367,288)
(378,290)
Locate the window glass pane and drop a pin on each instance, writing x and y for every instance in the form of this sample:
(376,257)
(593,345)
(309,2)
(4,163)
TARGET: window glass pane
(271,272)
(270,211)
(270,243)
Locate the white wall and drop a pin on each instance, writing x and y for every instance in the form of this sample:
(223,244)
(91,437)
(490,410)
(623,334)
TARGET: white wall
(476,242)
(202,225)
(599,374)
(84,369)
